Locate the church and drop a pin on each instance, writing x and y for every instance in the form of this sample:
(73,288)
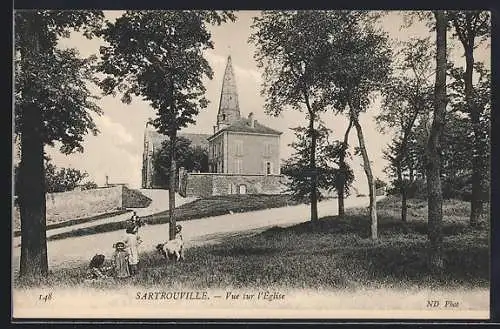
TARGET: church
(243,154)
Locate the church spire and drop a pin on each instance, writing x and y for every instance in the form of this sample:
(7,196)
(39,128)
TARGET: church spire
(229,109)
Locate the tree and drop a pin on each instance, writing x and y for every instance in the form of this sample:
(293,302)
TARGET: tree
(64,179)
(461,136)
(470,26)
(343,175)
(379,183)
(328,170)
(456,162)
(291,48)
(59,179)
(434,146)
(406,98)
(359,63)
(158,55)
(52,103)
(90,185)
(187,156)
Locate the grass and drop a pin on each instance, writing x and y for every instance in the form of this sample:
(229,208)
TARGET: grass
(81,220)
(331,253)
(201,208)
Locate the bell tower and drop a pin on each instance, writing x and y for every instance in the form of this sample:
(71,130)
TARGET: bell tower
(229,108)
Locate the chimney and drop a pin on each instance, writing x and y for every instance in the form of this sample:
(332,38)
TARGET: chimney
(252,120)
(107,183)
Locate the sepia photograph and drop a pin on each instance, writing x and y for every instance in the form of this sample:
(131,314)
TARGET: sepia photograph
(245,164)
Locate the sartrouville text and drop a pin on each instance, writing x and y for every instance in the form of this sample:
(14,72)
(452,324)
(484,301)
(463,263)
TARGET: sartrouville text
(172,295)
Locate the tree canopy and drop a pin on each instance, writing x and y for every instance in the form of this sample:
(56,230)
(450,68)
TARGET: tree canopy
(192,158)
(57,80)
(158,56)
(52,103)
(293,47)
(328,167)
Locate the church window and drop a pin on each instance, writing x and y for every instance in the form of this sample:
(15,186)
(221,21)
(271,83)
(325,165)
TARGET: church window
(223,117)
(267,149)
(239,147)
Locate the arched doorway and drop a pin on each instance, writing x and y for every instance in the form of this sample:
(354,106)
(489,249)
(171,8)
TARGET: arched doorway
(242,189)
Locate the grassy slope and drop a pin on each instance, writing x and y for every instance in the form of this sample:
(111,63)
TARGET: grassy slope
(332,253)
(207,207)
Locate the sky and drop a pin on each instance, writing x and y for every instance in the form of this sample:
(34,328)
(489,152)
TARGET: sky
(117,150)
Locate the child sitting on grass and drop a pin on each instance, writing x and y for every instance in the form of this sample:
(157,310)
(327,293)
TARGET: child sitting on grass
(97,270)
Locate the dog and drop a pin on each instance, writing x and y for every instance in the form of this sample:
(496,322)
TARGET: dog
(172,249)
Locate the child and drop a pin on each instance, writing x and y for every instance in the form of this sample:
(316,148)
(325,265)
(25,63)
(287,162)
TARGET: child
(95,271)
(136,220)
(132,241)
(121,259)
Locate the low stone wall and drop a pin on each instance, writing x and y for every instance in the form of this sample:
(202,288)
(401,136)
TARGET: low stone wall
(71,205)
(207,184)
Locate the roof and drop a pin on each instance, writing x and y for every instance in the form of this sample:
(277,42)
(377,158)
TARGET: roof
(229,95)
(244,125)
(156,139)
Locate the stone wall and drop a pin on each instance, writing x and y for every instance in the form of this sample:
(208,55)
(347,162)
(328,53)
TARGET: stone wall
(207,184)
(71,205)
(196,185)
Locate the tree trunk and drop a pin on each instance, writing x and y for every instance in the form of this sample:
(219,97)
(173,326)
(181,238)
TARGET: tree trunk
(403,154)
(434,191)
(33,261)
(476,201)
(172,186)
(369,176)
(32,197)
(173,166)
(341,205)
(312,164)
(343,169)
(312,157)
(467,35)
(402,190)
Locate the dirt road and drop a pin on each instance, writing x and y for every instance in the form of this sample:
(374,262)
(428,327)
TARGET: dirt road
(72,251)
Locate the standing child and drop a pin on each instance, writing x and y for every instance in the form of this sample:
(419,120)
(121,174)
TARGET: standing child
(132,241)
(121,259)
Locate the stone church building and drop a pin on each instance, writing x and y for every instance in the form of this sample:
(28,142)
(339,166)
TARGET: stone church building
(243,154)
